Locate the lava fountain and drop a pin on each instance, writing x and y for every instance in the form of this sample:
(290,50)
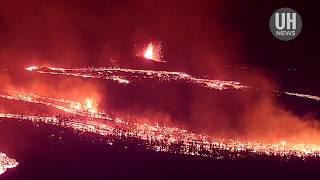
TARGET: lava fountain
(149,52)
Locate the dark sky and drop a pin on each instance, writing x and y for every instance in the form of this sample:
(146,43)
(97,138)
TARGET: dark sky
(198,36)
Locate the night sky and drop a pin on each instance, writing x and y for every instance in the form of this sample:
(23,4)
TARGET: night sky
(196,35)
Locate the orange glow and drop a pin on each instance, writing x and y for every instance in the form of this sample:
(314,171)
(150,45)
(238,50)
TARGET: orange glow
(149,52)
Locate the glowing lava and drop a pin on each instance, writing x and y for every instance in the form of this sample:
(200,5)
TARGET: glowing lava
(317,98)
(153,52)
(76,106)
(126,76)
(149,52)
(31,68)
(90,106)
(87,109)
(159,138)
(6,163)
(165,139)
(130,75)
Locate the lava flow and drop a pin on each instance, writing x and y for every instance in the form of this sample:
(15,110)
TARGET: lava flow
(86,109)
(6,163)
(303,96)
(155,137)
(125,76)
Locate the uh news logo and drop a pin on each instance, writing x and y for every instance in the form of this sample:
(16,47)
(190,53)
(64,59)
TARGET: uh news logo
(285,24)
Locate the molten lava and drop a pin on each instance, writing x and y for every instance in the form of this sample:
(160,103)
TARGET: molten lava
(155,137)
(149,52)
(6,163)
(31,68)
(87,117)
(87,109)
(131,75)
(127,76)
(152,52)
(90,106)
